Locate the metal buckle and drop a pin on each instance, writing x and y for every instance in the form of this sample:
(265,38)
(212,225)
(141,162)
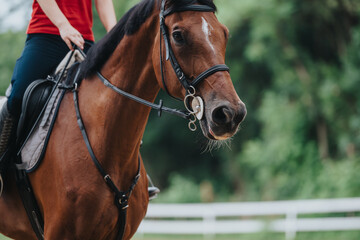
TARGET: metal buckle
(107,177)
(181,77)
(123,201)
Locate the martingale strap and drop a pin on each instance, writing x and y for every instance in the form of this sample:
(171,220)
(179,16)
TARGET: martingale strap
(121,197)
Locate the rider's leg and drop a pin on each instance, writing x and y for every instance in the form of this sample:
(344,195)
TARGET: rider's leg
(40,57)
(41,54)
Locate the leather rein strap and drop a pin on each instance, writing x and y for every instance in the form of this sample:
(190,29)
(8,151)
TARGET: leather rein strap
(159,107)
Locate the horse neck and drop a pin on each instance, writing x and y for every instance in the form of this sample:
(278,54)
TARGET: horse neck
(120,121)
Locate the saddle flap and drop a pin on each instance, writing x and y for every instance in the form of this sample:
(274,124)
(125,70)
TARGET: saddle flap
(34,100)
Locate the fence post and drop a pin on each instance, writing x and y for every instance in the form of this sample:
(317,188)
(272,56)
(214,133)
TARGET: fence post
(209,220)
(291,224)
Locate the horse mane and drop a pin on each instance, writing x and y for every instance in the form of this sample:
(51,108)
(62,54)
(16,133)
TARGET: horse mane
(129,24)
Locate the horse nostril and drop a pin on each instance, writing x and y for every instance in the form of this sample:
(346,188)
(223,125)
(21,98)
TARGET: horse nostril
(240,116)
(222,115)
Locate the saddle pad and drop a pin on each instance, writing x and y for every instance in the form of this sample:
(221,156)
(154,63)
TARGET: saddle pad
(3,100)
(34,149)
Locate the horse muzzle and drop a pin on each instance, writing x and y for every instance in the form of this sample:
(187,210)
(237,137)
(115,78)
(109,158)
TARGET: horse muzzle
(222,120)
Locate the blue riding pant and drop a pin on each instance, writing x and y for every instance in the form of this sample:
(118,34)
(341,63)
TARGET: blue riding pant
(41,55)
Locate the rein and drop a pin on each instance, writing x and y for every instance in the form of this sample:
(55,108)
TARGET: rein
(158,107)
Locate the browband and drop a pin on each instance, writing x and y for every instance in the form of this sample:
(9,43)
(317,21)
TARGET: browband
(196,8)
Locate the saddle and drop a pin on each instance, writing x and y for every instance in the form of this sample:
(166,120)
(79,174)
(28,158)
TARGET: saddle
(39,110)
(38,93)
(35,100)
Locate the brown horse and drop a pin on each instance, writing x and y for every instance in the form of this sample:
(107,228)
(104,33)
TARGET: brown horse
(74,200)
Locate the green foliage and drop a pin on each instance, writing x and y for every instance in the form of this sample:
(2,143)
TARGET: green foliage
(295,63)
(181,190)
(11,47)
(307,113)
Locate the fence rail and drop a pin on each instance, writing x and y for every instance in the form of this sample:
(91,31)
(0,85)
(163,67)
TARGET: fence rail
(252,217)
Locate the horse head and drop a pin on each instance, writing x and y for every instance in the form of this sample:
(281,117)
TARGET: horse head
(193,42)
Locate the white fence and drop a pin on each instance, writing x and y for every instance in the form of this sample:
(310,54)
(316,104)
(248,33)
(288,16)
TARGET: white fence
(252,217)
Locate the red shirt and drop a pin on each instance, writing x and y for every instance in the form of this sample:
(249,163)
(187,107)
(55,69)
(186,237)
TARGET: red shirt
(78,12)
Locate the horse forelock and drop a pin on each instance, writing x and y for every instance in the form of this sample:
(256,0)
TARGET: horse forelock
(128,25)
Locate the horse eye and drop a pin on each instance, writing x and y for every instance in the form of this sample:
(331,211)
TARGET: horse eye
(178,37)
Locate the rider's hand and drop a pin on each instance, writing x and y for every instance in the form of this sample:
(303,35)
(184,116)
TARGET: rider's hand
(70,35)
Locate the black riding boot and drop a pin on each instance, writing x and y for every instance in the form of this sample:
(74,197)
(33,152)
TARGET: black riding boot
(7,123)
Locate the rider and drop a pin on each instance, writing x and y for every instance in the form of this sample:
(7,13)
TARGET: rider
(54,26)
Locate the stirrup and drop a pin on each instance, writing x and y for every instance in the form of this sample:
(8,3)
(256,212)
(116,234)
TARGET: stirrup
(152,190)
(1,185)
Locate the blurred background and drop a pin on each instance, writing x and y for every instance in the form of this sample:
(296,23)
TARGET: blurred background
(296,65)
